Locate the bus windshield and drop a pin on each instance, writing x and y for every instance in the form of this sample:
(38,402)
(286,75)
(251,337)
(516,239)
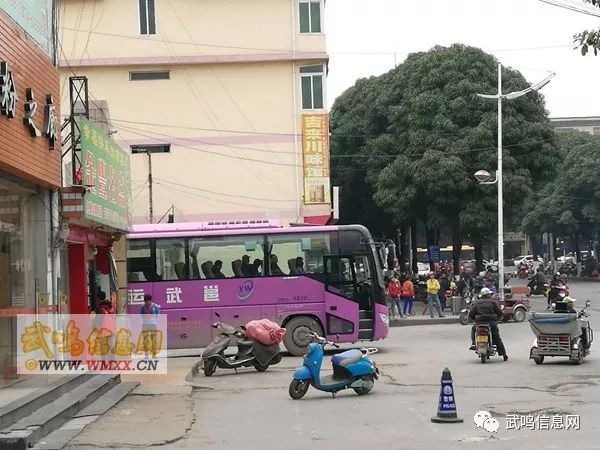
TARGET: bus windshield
(321,278)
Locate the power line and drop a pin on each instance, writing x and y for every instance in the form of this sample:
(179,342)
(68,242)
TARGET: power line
(573,7)
(197,196)
(287,50)
(333,156)
(224,194)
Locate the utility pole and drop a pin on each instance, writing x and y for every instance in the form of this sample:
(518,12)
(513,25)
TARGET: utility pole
(151,207)
(482,176)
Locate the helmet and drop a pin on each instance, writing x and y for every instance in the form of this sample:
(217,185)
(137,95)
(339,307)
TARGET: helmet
(557,274)
(482,274)
(485,292)
(568,299)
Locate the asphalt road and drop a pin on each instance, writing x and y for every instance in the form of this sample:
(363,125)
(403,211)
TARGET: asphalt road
(254,411)
(251,410)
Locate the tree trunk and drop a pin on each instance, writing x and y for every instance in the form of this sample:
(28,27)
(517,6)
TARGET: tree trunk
(413,228)
(402,249)
(478,254)
(431,234)
(456,245)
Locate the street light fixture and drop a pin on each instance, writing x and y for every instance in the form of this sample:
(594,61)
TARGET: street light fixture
(483,176)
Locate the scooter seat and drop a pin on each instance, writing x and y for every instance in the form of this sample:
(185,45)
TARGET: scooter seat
(345,358)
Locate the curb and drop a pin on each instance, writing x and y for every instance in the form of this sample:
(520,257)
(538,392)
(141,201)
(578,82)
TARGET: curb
(413,322)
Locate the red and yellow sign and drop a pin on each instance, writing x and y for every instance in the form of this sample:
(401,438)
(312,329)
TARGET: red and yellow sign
(315,147)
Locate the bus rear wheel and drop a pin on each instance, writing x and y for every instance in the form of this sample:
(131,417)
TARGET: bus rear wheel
(296,338)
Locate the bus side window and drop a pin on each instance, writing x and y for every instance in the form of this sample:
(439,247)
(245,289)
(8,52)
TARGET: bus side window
(170,259)
(299,253)
(226,256)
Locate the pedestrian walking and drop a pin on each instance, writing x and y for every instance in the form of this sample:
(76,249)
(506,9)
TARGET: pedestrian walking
(394,291)
(149,312)
(407,295)
(433,299)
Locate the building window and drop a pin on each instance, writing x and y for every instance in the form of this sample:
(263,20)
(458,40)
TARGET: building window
(149,75)
(154,148)
(310,17)
(311,78)
(147,17)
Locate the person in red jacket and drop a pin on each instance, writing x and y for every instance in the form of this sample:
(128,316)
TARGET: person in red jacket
(107,321)
(394,291)
(407,294)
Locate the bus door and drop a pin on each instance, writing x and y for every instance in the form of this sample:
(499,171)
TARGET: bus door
(341,307)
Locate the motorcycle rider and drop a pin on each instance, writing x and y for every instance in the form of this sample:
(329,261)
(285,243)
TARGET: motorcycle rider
(487,311)
(556,285)
(536,282)
(569,308)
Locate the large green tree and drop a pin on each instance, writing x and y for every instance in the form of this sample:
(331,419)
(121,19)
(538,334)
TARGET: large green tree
(355,119)
(427,132)
(569,204)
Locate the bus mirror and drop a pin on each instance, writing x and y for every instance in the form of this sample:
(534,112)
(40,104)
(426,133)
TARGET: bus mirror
(250,246)
(306,244)
(217,314)
(337,337)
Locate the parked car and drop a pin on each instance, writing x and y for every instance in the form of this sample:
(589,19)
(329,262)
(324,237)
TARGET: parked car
(570,257)
(468,266)
(423,269)
(528,259)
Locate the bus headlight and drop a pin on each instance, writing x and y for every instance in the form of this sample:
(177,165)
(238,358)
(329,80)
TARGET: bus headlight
(384,318)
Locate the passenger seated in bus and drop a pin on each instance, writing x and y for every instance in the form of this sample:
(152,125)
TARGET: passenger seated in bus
(246,266)
(300,266)
(207,268)
(236,267)
(151,275)
(292,266)
(275,270)
(180,270)
(255,268)
(216,270)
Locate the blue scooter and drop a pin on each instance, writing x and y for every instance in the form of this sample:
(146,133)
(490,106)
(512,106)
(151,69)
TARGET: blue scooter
(351,369)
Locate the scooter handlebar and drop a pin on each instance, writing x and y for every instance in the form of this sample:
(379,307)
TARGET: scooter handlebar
(322,340)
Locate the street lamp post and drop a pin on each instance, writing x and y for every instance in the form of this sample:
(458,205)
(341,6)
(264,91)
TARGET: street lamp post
(482,176)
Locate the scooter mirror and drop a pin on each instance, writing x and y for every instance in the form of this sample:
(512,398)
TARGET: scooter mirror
(587,303)
(217,314)
(337,337)
(554,305)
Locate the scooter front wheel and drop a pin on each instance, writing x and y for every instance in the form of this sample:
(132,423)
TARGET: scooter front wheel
(259,367)
(210,365)
(370,384)
(298,388)
(464,318)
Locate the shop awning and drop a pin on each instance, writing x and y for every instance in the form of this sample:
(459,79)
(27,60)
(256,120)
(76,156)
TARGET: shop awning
(317,220)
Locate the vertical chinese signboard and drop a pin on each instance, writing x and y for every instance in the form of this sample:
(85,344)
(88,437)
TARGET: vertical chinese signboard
(315,147)
(106,175)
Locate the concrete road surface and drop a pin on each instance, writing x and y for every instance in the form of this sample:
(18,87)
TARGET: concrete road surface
(252,410)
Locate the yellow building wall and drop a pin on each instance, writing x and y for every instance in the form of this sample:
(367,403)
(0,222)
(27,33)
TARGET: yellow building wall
(183,27)
(234,128)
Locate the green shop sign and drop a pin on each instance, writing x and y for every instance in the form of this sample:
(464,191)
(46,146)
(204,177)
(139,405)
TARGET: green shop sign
(106,175)
(35,17)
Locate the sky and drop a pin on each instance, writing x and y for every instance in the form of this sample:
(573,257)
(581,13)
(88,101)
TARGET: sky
(367,37)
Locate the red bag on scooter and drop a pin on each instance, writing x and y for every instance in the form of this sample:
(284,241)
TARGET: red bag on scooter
(264,331)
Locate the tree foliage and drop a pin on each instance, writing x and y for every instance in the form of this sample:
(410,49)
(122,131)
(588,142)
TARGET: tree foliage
(425,132)
(569,205)
(589,39)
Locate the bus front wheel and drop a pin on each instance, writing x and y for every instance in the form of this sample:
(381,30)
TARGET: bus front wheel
(296,338)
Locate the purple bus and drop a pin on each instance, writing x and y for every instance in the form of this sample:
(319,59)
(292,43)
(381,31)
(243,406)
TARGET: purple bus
(327,279)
